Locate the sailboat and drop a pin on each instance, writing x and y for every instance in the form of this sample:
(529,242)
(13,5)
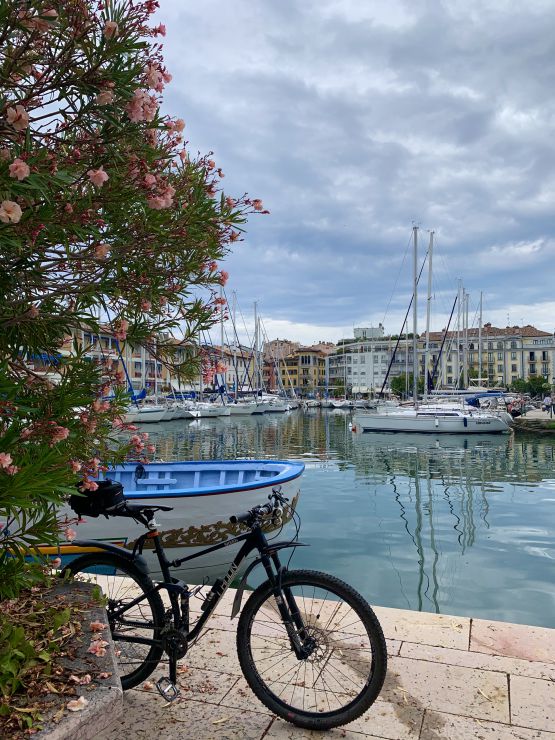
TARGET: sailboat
(427,418)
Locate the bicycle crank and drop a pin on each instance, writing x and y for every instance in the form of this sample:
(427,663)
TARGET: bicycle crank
(175,643)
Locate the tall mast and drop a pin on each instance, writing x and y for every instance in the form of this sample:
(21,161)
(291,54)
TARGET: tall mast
(222,355)
(465,338)
(414,321)
(480,343)
(233,312)
(256,348)
(458,335)
(428,309)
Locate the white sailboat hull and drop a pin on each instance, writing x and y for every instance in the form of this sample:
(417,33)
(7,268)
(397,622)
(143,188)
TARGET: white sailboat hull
(429,422)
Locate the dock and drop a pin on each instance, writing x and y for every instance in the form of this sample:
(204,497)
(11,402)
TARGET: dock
(449,678)
(535,422)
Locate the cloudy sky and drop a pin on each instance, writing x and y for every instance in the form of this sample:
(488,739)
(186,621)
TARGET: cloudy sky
(354,119)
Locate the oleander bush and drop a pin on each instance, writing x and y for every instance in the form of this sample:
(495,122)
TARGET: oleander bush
(105,215)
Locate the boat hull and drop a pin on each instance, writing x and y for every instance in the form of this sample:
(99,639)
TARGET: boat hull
(430,423)
(200,514)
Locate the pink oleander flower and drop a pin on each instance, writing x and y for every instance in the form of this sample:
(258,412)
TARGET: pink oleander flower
(151,449)
(101,251)
(68,208)
(97,177)
(150,180)
(5,459)
(141,107)
(57,434)
(56,562)
(19,169)
(12,469)
(70,534)
(257,204)
(159,30)
(177,126)
(111,29)
(97,626)
(89,485)
(120,329)
(75,466)
(77,705)
(156,77)
(83,681)
(183,155)
(145,305)
(104,97)
(224,277)
(18,117)
(163,200)
(97,647)
(10,212)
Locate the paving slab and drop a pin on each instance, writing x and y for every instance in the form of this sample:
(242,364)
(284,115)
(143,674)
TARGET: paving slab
(481,661)
(513,640)
(446,688)
(149,716)
(441,726)
(422,627)
(533,703)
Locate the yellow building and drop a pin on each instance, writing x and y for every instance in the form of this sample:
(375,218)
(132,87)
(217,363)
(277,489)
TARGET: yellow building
(304,370)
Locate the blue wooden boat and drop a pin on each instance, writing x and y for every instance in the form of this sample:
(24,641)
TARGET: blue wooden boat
(203,495)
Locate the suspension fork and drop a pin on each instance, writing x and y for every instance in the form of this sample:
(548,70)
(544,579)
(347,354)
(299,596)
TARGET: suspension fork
(287,607)
(291,603)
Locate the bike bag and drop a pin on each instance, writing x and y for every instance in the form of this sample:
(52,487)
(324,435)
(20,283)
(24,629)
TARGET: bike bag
(93,503)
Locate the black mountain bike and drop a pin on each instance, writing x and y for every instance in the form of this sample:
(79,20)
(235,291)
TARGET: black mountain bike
(309,646)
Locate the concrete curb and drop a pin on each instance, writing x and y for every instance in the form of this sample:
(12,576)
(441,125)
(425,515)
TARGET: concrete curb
(105,696)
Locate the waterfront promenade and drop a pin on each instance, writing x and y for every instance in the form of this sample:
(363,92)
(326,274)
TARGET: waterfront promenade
(449,678)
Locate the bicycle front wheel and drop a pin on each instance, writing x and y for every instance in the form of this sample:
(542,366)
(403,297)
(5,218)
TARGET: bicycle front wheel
(344,660)
(122,584)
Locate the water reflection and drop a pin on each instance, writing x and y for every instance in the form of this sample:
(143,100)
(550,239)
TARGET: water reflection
(446,524)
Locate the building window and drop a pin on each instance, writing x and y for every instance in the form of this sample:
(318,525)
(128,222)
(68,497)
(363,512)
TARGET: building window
(545,370)
(471,357)
(500,355)
(513,345)
(470,346)
(513,369)
(449,379)
(449,368)
(490,356)
(513,355)
(545,356)
(490,345)
(532,369)
(532,356)
(500,368)
(499,345)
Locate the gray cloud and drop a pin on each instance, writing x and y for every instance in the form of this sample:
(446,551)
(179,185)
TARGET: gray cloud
(350,120)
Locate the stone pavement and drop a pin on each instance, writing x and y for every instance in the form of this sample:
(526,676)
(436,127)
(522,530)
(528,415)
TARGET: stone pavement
(449,678)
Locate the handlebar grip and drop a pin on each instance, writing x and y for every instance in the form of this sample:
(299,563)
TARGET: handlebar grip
(240,518)
(249,515)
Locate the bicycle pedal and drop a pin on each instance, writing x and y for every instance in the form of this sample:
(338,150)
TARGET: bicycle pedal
(167,689)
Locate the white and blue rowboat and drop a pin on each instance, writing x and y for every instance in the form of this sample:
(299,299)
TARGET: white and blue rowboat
(203,495)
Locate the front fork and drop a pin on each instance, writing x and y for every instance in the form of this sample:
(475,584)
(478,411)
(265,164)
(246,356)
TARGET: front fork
(301,642)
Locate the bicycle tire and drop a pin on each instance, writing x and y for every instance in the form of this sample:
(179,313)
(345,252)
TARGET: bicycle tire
(135,661)
(257,639)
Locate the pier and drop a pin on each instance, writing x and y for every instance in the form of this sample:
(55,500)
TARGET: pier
(536,421)
(449,678)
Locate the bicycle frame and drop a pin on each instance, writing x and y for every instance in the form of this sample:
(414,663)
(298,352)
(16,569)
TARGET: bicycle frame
(253,540)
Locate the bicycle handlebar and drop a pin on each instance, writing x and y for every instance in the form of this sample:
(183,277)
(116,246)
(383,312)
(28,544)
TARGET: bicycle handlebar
(252,514)
(257,512)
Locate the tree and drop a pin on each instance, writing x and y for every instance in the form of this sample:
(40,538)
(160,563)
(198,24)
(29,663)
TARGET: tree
(103,212)
(399,384)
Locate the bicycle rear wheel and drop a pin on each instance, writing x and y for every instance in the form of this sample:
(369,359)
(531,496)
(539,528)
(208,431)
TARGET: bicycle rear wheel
(345,668)
(122,583)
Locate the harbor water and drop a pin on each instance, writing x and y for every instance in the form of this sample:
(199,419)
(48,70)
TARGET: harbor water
(447,524)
